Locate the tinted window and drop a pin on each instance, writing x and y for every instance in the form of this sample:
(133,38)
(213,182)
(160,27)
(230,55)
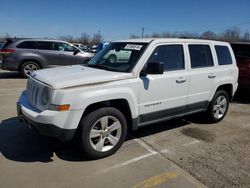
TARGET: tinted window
(223,55)
(65,47)
(27,45)
(200,56)
(171,55)
(44,45)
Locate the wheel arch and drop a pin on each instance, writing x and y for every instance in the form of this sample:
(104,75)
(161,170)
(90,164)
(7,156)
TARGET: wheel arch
(120,104)
(228,88)
(31,60)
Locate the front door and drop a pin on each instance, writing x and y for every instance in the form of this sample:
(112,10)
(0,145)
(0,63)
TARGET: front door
(164,95)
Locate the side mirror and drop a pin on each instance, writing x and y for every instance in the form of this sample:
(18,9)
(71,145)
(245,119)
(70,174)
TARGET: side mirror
(76,51)
(155,68)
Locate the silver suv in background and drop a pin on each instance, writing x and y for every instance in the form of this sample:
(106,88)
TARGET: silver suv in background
(27,55)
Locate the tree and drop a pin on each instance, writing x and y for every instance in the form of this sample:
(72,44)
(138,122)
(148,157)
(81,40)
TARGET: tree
(96,39)
(208,35)
(246,36)
(232,34)
(68,38)
(84,39)
(133,36)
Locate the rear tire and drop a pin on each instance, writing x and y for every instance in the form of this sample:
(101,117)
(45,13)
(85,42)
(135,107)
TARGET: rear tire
(28,67)
(102,132)
(218,107)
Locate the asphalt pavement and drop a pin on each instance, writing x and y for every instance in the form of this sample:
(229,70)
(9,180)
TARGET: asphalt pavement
(186,152)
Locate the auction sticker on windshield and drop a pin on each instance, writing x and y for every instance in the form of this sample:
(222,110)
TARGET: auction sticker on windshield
(133,47)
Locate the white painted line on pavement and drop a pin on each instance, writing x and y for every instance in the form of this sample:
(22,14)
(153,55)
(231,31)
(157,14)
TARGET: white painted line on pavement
(127,162)
(165,151)
(191,143)
(141,143)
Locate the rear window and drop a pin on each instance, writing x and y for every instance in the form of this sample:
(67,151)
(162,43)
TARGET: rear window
(200,56)
(223,55)
(7,43)
(27,45)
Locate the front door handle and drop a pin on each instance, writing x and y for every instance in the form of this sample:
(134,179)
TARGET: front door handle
(211,76)
(181,80)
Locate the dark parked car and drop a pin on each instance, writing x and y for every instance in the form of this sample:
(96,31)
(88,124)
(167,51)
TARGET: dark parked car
(242,54)
(27,55)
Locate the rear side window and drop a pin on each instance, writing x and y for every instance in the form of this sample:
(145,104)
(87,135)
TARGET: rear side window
(200,56)
(171,55)
(27,45)
(44,45)
(223,55)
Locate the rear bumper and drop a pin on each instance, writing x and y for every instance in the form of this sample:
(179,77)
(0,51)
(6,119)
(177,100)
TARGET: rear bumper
(10,64)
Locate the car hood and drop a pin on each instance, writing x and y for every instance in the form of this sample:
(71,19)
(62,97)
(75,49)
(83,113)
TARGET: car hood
(76,75)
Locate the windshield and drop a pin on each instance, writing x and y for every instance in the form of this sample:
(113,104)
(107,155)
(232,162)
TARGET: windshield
(119,56)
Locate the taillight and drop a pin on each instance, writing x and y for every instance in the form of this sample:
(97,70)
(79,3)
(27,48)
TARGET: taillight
(7,51)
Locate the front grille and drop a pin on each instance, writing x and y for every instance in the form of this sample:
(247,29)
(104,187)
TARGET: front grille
(32,92)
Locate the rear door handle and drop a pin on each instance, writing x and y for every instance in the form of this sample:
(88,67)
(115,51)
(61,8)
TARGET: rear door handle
(61,54)
(211,76)
(181,80)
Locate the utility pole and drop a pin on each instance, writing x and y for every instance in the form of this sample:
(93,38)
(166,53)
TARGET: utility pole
(142,32)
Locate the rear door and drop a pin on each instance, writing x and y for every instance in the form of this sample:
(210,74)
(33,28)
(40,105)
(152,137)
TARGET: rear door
(67,55)
(202,76)
(49,52)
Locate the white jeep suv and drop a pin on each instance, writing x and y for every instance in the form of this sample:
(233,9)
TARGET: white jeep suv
(161,79)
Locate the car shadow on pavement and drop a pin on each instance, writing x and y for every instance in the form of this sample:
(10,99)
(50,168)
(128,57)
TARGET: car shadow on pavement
(11,75)
(19,143)
(158,127)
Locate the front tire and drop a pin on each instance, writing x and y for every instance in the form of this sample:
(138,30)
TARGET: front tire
(218,107)
(28,67)
(102,132)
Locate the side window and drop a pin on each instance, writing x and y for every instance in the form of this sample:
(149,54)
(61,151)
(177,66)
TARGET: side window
(200,56)
(27,45)
(223,55)
(65,47)
(44,45)
(171,55)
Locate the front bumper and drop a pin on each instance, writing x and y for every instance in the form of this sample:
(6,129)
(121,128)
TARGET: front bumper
(47,123)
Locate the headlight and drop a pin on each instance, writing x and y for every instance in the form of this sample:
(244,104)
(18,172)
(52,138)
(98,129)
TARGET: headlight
(45,95)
